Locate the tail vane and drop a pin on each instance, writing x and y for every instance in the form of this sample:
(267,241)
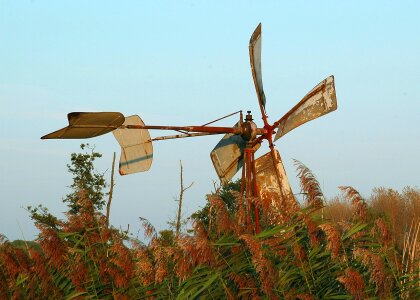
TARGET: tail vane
(83,125)
(136,147)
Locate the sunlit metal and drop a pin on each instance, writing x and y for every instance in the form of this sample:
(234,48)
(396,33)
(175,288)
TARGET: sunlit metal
(320,101)
(136,147)
(255,60)
(264,177)
(227,156)
(273,184)
(83,125)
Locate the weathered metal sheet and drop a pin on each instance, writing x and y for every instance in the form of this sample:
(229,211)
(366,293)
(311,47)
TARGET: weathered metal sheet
(136,147)
(84,125)
(227,156)
(272,182)
(318,102)
(255,60)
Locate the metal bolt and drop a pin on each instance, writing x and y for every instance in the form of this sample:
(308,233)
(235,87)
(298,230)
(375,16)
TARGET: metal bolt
(248,116)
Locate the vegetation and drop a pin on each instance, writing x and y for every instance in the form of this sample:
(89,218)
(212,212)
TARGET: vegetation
(348,248)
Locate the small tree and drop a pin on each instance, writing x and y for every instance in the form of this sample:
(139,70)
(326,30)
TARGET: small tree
(77,256)
(87,183)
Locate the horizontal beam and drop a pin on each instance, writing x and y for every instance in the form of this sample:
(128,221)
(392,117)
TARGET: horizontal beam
(207,129)
(179,136)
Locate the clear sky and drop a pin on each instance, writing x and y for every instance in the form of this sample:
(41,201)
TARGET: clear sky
(186,63)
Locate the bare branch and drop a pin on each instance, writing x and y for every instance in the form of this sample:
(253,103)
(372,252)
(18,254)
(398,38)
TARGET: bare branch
(111,190)
(181,194)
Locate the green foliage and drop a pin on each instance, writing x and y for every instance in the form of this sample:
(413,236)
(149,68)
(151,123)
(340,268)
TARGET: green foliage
(87,184)
(86,181)
(25,245)
(41,215)
(227,194)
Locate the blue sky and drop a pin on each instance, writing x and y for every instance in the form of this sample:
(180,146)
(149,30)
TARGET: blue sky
(186,63)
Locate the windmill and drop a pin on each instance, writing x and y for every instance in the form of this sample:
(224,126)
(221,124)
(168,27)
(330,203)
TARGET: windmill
(264,177)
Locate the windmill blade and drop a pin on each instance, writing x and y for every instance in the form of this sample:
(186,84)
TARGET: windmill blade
(136,147)
(273,184)
(83,125)
(318,102)
(255,59)
(227,156)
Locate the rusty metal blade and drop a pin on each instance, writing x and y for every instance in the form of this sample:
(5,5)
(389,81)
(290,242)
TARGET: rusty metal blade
(227,156)
(319,101)
(136,147)
(84,125)
(273,183)
(255,60)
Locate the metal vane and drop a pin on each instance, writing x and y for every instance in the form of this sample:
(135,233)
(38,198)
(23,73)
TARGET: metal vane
(136,147)
(83,125)
(264,177)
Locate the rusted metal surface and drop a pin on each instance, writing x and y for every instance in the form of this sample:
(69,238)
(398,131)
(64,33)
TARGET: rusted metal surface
(136,147)
(249,184)
(227,156)
(318,102)
(180,136)
(273,184)
(84,125)
(95,123)
(210,129)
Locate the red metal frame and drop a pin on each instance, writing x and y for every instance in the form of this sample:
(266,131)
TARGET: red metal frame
(249,184)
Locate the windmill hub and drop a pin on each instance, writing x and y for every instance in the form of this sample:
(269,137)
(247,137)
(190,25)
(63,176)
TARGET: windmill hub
(249,128)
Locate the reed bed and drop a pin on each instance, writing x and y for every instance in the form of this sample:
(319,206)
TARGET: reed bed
(348,248)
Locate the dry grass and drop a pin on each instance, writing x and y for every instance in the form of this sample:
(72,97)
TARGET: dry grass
(287,261)
(397,210)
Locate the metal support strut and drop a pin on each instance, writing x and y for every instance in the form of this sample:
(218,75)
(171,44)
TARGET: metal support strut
(249,183)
